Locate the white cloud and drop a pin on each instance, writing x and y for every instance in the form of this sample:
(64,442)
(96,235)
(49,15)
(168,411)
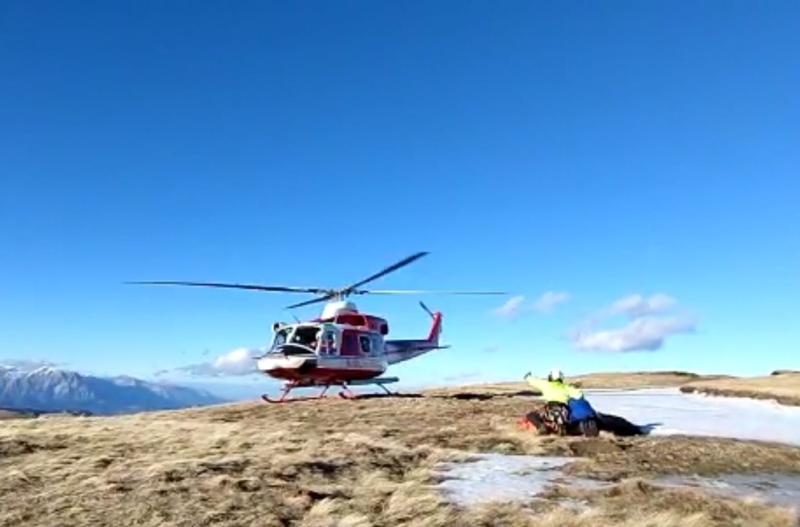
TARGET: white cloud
(517,305)
(241,361)
(25,364)
(512,307)
(634,306)
(648,327)
(641,334)
(549,301)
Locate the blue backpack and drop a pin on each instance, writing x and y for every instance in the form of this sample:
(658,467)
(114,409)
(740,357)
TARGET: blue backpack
(580,410)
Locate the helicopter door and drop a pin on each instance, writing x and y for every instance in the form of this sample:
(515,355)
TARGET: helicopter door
(329,343)
(350,345)
(377,345)
(365,344)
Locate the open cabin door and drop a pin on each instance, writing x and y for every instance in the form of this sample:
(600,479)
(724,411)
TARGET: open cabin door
(330,341)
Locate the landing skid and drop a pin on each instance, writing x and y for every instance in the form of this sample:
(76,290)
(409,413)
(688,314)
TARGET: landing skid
(345,393)
(287,388)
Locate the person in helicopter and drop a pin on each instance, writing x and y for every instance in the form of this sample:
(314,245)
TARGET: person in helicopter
(307,337)
(314,340)
(565,410)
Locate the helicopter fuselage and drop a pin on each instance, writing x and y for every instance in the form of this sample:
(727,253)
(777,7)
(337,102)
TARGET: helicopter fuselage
(347,346)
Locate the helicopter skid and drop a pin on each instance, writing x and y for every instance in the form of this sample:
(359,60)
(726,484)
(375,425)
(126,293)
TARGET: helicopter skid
(284,398)
(345,393)
(267,399)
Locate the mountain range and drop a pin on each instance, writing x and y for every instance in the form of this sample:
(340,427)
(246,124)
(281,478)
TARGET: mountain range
(50,389)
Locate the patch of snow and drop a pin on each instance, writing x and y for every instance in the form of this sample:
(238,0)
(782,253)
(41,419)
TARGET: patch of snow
(500,477)
(773,489)
(675,412)
(505,478)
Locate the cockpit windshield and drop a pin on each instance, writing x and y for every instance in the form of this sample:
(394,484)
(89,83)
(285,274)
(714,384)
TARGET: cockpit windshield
(281,336)
(307,336)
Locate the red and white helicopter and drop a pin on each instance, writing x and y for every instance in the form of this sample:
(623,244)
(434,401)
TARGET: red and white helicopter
(343,347)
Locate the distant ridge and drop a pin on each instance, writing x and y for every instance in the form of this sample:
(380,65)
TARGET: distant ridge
(48,390)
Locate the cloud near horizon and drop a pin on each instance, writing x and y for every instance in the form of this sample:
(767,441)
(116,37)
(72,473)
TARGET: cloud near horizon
(634,306)
(511,308)
(238,362)
(517,305)
(648,327)
(549,301)
(26,364)
(641,334)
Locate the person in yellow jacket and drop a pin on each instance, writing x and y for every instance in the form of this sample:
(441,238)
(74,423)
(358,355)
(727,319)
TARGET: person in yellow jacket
(559,397)
(554,389)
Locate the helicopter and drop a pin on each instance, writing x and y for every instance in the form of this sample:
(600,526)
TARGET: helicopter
(343,346)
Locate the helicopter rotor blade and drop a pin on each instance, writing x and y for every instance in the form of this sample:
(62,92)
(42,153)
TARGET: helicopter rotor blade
(251,287)
(324,294)
(422,292)
(427,310)
(385,271)
(313,301)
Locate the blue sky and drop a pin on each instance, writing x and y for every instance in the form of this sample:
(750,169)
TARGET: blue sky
(600,151)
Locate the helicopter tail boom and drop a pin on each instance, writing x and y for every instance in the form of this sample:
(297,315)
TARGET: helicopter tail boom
(436,329)
(403,350)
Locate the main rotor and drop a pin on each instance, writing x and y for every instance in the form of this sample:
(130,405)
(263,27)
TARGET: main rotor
(327,294)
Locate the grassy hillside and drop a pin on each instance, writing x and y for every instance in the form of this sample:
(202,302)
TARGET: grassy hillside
(783,387)
(619,381)
(347,463)
(14,414)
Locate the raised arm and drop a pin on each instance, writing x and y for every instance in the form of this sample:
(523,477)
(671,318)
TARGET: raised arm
(538,384)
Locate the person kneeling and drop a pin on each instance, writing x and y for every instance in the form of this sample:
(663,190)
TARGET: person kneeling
(565,411)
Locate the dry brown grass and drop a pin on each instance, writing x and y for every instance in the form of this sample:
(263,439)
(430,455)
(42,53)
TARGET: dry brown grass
(618,381)
(343,463)
(12,414)
(635,380)
(783,387)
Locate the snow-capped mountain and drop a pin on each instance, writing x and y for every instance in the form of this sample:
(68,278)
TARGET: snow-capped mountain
(52,389)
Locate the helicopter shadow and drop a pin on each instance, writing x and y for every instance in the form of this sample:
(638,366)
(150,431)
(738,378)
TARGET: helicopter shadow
(473,396)
(459,396)
(390,396)
(649,427)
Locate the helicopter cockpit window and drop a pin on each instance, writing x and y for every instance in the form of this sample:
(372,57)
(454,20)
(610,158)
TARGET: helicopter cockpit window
(377,344)
(365,344)
(280,337)
(328,344)
(306,336)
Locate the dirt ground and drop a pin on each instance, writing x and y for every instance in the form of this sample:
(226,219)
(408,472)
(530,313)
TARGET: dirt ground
(783,387)
(348,463)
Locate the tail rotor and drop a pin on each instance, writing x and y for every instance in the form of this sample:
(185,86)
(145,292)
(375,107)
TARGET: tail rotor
(428,311)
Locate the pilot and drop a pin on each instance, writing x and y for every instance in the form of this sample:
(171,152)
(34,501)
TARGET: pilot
(330,344)
(314,341)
